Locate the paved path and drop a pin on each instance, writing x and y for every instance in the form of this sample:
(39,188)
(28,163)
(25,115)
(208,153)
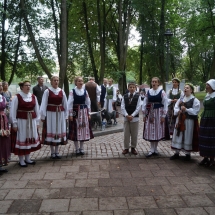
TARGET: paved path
(105,182)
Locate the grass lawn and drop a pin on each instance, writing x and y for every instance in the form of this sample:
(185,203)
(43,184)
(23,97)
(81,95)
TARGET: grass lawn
(200,95)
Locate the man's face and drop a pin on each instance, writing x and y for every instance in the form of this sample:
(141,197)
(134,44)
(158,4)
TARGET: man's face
(105,82)
(131,88)
(40,81)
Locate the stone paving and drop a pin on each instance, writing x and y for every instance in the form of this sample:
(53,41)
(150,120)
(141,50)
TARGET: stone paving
(105,182)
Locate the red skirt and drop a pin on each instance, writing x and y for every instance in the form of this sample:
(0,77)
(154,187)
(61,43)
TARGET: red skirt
(21,152)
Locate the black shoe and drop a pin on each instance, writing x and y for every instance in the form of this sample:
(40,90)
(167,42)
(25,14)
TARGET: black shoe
(174,157)
(3,170)
(150,154)
(77,152)
(155,154)
(32,163)
(25,165)
(81,152)
(53,156)
(187,158)
(205,161)
(57,156)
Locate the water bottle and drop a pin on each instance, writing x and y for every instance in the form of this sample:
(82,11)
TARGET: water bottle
(103,126)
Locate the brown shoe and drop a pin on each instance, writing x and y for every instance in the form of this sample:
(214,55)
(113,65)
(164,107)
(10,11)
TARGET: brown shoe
(125,151)
(133,151)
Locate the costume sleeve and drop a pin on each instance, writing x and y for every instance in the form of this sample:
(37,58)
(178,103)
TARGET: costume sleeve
(98,93)
(124,112)
(70,103)
(145,102)
(165,103)
(176,107)
(114,94)
(37,111)
(195,109)
(13,111)
(137,107)
(43,107)
(65,105)
(88,102)
(168,98)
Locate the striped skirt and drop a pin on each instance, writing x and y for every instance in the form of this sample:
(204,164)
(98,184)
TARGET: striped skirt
(207,137)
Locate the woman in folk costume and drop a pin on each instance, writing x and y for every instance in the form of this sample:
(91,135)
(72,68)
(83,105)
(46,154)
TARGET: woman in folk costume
(207,126)
(110,100)
(154,113)
(24,115)
(5,143)
(173,95)
(79,108)
(185,136)
(54,114)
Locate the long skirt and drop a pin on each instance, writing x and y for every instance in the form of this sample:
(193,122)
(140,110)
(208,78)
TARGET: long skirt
(187,140)
(54,129)
(207,137)
(171,120)
(80,130)
(5,148)
(23,142)
(154,130)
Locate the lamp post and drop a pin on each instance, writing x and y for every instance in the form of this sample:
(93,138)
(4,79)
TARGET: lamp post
(168,34)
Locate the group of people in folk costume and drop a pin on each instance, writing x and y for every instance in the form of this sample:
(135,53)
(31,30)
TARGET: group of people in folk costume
(174,113)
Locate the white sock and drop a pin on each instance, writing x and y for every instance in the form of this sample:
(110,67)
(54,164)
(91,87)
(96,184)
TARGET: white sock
(152,147)
(56,149)
(76,145)
(82,145)
(27,158)
(155,147)
(21,160)
(52,149)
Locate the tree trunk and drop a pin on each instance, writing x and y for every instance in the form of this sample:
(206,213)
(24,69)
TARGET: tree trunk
(16,52)
(161,41)
(3,42)
(212,69)
(141,55)
(95,71)
(32,38)
(63,42)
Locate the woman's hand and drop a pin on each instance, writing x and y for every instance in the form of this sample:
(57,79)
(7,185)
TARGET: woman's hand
(42,120)
(15,129)
(162,119)
(144,119)
(183,108)
(89,117)
(71,118)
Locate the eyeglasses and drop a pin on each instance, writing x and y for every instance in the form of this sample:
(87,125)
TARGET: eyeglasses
(27,85)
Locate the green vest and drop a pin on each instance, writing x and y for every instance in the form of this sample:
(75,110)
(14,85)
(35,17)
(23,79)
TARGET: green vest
(177,96)
(109,93)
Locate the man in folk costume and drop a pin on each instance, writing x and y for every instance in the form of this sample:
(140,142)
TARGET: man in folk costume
(54,115)
(79,108)
(173,95)
(185,136)
(103,92)
(94,92)
(25,117)
(110,100)
(130,107)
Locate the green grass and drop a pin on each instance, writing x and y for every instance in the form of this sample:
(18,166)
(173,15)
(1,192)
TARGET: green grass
(200,95)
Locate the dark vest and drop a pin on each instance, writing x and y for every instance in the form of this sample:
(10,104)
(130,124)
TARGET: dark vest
(103,93)
(188,105)
(78,100)
(177,96)
(130,108)
(156,100)
(91,89)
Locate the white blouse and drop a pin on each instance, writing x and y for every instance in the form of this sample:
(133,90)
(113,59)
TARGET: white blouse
(14,107)
(43,107)
(174,92)
(209,96)
(164,101)
(191,111)
(79,92)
